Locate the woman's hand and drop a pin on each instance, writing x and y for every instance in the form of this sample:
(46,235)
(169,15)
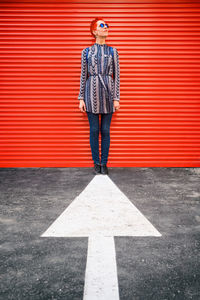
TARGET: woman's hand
(82,105)
(116,105)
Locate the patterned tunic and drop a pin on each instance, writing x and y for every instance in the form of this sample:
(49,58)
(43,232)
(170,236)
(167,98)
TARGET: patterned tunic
(98,88)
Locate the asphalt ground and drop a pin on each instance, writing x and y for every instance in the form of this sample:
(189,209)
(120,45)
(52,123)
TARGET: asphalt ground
(40,268)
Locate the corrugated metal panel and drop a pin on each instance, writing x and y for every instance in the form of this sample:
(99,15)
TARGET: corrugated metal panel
(158,43)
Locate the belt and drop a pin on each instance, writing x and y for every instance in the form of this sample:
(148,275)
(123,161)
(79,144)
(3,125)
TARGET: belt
(101,79)
(99,74)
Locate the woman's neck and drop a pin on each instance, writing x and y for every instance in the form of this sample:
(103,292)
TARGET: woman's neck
(100,41)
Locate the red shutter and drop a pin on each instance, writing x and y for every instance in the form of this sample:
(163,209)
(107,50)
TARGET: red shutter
(158,124)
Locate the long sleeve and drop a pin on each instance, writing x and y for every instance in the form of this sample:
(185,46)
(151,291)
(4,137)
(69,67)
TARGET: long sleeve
(84,74)
(116,75)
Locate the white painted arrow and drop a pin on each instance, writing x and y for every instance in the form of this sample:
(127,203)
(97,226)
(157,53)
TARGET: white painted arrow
(100,212)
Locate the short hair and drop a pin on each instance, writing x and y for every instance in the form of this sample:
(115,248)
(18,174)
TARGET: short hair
(93,25)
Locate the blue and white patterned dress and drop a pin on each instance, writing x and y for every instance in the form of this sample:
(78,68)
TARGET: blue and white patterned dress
(98,88)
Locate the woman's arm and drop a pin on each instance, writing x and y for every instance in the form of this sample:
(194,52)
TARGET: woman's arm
(84,74)
(116,75)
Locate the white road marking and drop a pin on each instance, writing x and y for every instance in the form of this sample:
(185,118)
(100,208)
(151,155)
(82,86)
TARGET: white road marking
(100,212)
(101,281)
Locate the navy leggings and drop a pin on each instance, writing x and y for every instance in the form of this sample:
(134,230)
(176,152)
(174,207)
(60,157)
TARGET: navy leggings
(94,136)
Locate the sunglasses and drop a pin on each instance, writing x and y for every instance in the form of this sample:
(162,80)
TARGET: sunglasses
(102,25)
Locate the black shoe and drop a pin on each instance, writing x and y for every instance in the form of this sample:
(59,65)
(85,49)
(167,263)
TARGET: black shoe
(97,168)
(104,169)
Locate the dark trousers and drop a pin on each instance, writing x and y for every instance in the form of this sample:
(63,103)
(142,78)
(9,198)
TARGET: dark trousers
(94,136)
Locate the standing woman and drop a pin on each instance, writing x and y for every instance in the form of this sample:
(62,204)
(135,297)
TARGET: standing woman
(99,91)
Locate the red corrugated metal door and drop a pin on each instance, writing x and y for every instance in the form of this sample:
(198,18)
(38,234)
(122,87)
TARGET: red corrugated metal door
(158,123)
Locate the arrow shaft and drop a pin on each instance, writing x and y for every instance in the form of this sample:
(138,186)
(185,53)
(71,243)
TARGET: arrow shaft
(101,281)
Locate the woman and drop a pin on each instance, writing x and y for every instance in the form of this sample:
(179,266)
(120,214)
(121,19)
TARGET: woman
(99,92)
